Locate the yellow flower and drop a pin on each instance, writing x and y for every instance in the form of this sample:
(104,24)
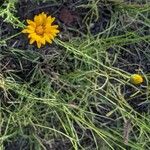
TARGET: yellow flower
(41,29)
(136,79)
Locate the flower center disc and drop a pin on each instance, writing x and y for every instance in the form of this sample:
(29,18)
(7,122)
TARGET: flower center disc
(39,30)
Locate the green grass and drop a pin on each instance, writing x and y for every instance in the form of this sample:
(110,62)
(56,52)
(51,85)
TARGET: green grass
(77,94)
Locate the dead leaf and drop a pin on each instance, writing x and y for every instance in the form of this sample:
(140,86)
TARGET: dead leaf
(66,16)
(127,129)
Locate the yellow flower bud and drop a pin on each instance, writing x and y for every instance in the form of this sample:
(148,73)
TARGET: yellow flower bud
(136,79)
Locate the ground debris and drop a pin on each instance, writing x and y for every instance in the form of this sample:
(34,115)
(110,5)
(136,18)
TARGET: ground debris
(66,16)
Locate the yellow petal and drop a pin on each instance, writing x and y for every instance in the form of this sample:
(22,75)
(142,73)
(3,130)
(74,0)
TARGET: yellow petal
(51,36)
(39,44)
(24,31)
(51,29)
(27,31)
(30,28)
(48,30)
(48,39)
(54,26)
(44,16)
(43,41)
(32,35)
(37,37)
(32,41)
(30,22)
(50,20)
(56,31)
(38,20)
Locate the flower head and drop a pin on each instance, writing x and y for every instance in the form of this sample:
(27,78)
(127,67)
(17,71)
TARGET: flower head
(41,29)
(136,79)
